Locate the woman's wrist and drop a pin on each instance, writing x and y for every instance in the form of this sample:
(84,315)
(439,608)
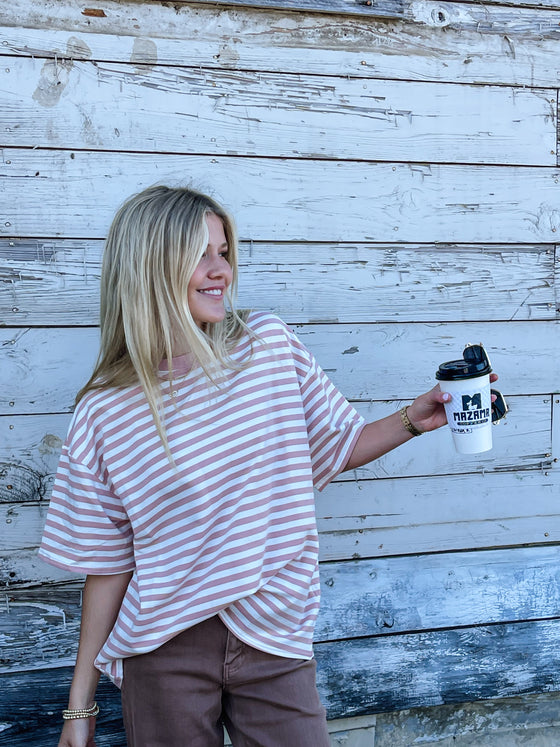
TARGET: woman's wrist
(407,422)
(70,714)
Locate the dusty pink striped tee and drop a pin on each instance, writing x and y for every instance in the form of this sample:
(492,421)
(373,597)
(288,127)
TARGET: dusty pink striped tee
(231,530)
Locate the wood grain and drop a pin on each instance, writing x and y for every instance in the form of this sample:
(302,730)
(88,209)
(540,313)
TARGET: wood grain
(108,106)
(57,282)
(74,194)
(365,598)
(31,444)
(367,519)
(439,513)
(368,675)
(372,675)
(46,367)
(439,41)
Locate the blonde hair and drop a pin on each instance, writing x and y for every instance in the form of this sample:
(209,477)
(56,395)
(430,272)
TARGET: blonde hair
(154,245)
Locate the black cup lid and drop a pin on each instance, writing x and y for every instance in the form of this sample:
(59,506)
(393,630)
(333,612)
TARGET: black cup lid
(474,363)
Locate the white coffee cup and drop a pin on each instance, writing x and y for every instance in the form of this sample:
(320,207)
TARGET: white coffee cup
(469,412)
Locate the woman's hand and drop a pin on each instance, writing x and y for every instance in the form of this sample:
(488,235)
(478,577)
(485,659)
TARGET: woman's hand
(427,411)
(78,732)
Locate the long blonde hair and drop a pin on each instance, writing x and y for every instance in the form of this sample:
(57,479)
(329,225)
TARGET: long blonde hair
(154,245)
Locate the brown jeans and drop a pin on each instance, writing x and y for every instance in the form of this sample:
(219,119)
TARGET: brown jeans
(183,693)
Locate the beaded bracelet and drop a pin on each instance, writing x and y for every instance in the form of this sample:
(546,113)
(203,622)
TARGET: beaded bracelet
(407,424)
(71,713)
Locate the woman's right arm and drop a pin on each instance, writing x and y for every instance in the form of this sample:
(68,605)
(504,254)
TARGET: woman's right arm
(102,599)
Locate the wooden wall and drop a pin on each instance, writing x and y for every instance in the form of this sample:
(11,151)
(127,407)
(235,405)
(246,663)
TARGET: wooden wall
(396,186)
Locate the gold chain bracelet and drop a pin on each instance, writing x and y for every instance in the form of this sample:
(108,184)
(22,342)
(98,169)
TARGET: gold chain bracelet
(407,424)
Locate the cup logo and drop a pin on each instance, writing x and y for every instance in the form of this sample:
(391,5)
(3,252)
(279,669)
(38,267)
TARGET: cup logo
(472,403)
(472,412)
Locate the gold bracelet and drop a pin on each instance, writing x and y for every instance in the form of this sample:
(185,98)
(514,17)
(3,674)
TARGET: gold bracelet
(71,713)
(407,424)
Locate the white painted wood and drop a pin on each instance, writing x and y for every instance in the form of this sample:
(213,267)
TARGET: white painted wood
(75,194)
(109,106)
(46,367)
(62,359)
(30,447)
(521,441)
(400,360)
(373,519)
(394,595)
(57,282)
(23,568)
(382,595)
(383,8)
(29,453)
(457,43)
(505,722)
(555,430)
(435,514)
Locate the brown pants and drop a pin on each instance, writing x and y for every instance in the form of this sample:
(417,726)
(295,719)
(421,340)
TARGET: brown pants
(181,694)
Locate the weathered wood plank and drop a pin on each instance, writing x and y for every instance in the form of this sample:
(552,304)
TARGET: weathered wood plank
(39,627)
(23,568)
(363,360)
(527,719)
(381,8)
(462,42)
(366,675)
(434,592)
(29,452)
(368,519)
(378,8)
(439,513)
(75,194)
(46,367)
(62,359)
(57,282)
(107,106)
(30,447)
(371,675)
(521,441)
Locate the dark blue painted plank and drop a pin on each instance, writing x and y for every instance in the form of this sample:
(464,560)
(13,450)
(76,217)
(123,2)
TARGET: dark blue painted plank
(387,673)
(355,677)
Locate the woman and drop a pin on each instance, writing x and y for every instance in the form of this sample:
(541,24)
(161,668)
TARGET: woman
(185,493)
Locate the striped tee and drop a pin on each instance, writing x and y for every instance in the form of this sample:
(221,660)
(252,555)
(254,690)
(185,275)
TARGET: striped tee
(231,529)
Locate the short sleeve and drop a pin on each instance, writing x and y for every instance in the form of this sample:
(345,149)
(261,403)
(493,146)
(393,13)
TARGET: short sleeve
(87,530)
(333,425)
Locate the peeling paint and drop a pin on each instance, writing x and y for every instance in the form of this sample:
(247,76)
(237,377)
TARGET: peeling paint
(52,82)
(144,55)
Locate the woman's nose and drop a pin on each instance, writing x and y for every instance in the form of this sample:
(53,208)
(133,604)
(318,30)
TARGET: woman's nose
(219,267)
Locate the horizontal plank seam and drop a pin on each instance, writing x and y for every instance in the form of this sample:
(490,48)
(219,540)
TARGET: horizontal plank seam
(338,325)
(443,629)
(482,548)
(315,159)
(406,245)
(427,554)
(300,75)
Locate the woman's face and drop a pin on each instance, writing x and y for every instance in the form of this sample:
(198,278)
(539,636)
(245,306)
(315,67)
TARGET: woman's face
(212,277)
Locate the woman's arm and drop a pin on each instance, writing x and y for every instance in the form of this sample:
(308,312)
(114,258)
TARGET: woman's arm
(102,599)
(426,413)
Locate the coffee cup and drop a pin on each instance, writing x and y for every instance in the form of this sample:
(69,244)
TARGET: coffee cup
(470,412)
